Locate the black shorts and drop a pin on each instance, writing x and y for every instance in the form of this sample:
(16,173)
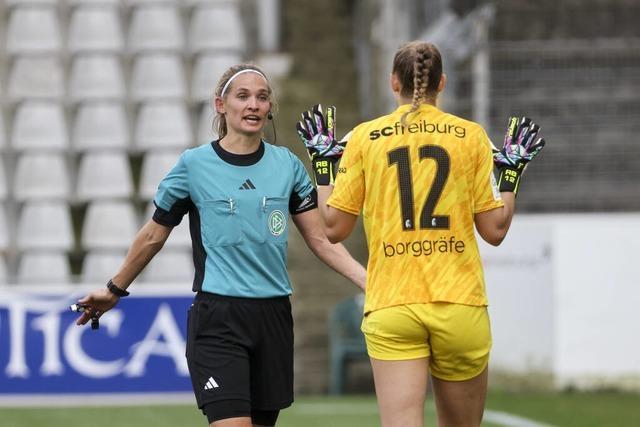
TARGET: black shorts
(241,349)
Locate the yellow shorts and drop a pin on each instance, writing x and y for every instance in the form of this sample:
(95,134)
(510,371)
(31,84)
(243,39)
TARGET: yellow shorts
(456,337)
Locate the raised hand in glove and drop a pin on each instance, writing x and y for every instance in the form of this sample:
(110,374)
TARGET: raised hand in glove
(521,145)
(317,132)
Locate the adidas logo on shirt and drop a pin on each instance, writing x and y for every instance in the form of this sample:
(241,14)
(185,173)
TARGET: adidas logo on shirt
(247,185)
(211,384)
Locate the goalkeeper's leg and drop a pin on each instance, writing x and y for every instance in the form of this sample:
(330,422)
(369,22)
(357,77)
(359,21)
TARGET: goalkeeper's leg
(460,403)
(401,390)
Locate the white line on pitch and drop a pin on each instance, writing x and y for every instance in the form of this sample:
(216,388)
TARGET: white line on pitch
(503,419)
(509,420)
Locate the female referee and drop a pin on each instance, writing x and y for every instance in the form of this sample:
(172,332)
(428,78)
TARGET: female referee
(422,179)
(239,192)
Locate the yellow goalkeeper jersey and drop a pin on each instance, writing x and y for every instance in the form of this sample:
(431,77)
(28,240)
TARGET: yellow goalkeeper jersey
(418,188)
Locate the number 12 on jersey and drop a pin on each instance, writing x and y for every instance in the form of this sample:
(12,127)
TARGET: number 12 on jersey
(400,158)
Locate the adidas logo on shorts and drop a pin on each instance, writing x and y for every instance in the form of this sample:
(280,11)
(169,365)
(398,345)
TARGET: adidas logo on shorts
(211,383)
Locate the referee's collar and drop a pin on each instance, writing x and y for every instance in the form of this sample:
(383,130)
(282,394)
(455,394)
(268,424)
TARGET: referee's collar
(239,159)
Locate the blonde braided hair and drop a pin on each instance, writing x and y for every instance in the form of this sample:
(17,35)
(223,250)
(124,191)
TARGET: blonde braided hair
(418,66)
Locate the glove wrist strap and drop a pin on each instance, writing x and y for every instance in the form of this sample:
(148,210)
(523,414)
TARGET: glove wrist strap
(324,170)
(509,179)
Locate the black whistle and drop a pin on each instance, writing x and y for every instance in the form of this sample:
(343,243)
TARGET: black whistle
(79,308)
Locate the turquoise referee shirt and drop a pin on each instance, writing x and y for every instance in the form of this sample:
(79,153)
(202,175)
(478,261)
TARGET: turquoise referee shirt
(239,208)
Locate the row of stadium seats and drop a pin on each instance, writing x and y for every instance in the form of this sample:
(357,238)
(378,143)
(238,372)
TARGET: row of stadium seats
(101,175)
(44,239)
(101,76)
(36,29)
(124,3)
(104,125)
(107,224)
(53,267)
(99,97)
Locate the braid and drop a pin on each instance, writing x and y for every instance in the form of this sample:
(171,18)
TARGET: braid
(421,67)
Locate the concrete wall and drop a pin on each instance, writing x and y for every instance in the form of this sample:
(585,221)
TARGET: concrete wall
(563,292)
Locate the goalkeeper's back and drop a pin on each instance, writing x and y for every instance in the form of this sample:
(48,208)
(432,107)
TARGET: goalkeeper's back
(419,177)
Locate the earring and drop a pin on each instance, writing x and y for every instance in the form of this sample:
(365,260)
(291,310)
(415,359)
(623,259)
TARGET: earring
(269,115)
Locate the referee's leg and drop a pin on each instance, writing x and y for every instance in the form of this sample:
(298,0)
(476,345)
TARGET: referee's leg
(233,422)
(219,412)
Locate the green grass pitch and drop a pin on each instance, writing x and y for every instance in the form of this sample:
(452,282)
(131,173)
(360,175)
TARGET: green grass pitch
(557,409)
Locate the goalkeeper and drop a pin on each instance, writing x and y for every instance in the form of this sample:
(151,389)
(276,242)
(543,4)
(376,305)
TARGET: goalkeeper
(422,178)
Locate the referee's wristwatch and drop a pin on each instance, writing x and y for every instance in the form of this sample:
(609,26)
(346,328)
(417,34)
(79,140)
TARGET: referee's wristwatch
(119,292)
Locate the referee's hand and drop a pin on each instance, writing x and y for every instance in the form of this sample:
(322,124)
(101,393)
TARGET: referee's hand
(96,304)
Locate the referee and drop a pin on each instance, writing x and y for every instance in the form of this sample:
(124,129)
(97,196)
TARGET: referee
(240,193)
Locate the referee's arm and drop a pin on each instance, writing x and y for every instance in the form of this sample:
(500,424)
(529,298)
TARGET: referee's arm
(145,246)
(335,255)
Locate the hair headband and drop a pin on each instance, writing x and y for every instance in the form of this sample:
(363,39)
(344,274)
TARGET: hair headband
(246,70)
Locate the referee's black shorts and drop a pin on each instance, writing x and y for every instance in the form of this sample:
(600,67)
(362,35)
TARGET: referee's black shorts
(240,354)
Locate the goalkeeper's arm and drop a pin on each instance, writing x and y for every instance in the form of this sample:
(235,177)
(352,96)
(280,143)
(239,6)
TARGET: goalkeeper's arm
(317,132)
(521,145)
(494,224)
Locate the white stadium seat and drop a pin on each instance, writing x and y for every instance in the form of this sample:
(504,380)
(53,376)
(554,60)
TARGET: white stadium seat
(157,76)
(33,30)
(155,166)
(45,225)
(30,2)
(95,29)
(207,71)
(93,2)
(4,231)
(100,125)
(96,77)
(206,132)
(180,236)
(104,175)
(44,267)
(98,265)
(217,26)
(152,2)
(163,125)
(3,139)
(42,176)
(4,275)
(3,182)
(170,266)
(36,77)
(109,225)
(39,125)
(155,28)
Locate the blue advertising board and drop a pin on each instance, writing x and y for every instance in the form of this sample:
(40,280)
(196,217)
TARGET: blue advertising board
(139,347)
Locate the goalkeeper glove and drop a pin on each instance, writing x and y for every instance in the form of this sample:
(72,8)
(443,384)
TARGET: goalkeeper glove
(317,133)
(521,145)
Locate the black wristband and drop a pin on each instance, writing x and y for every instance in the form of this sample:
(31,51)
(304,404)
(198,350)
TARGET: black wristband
(119,292)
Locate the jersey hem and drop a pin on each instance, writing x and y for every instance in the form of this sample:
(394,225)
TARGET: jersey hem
(490,207)
(343,208)
(471,304)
